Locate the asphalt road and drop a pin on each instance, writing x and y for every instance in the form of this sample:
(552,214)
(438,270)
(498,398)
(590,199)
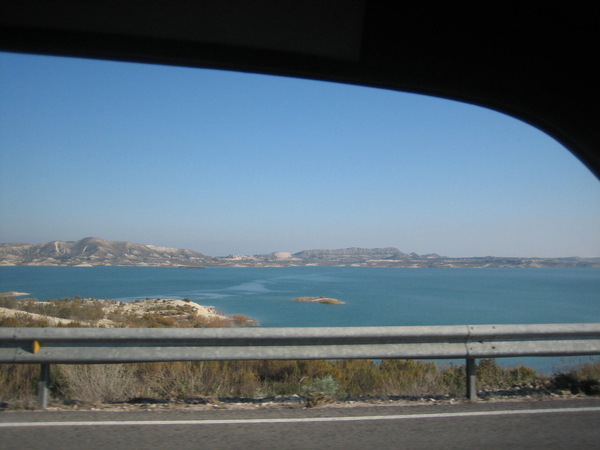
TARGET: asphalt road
(569,424)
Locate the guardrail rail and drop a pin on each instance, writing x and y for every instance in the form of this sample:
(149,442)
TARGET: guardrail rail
(47,346)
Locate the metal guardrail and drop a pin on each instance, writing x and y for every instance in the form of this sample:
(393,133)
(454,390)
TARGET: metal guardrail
(126,345)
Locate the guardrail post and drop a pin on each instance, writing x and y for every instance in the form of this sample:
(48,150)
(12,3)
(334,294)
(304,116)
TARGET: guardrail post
(43,388)
(471,380)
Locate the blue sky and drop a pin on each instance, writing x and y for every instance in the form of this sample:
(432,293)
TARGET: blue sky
(223,162)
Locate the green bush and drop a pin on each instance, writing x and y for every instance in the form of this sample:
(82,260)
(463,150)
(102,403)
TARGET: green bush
(321,386)
(454,378)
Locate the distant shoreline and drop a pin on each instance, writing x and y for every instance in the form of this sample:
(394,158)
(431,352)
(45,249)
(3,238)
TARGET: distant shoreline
(383,266)
(92,252)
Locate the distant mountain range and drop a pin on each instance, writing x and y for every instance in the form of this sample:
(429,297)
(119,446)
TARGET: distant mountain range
(98,252)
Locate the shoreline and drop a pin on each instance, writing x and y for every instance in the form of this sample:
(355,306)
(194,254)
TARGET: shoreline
(283,266)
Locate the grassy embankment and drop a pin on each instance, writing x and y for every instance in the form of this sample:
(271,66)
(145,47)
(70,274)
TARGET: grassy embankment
(313,380)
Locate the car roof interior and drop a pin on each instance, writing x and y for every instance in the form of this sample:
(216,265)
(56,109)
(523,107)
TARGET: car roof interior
(536,63)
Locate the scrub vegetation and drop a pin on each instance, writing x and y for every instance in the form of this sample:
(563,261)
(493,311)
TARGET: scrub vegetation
(91,312)
(317,381)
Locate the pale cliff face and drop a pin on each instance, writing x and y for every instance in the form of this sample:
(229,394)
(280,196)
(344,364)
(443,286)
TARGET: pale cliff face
(282,255)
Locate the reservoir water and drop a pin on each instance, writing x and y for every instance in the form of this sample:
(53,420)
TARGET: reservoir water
(373,296)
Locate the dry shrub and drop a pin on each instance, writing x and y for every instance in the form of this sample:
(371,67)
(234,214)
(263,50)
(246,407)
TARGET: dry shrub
(359,377)
(421,378)
(318,368)
(413,378)
(8,301)
(64,308)
(583,378)
(157,321)
(22,320)
(587,371)
(240,380)
(183,380)
(239,320)
(522,375)
(454,378)
(179,380)
(276,370)
(98,382)
(491,376)
(19,381)
(278,377)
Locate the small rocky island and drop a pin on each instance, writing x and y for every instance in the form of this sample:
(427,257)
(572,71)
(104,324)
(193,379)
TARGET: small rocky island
(324,300)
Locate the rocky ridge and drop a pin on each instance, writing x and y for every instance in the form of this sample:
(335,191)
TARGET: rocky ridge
(98,252)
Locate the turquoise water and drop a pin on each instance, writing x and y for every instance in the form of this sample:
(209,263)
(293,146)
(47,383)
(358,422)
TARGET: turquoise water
(373,296)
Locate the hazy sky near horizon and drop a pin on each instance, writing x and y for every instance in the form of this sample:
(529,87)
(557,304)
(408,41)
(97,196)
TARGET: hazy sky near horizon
(224,162)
